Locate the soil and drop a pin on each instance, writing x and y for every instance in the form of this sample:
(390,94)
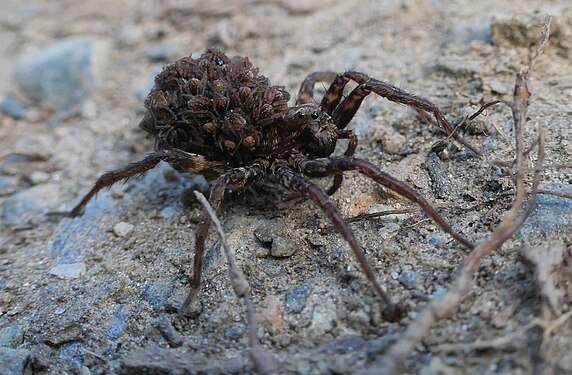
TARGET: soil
(124,267)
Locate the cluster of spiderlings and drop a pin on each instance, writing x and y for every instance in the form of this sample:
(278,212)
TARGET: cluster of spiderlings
(213,105)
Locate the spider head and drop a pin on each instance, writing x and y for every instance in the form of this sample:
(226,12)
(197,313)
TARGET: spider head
(315,127)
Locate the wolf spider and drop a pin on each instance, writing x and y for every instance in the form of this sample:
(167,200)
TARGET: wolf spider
(217,116)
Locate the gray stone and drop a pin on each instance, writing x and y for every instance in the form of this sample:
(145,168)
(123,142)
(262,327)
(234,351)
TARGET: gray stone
(15,361)
(283,247)
(234,332)
(13,107)
(323,318)
(274,233)
(21,207)
(63,75)
(155,360)
(169,332)
(12,336)
(168,212)
(61,335)
(8,185)
(552,216)
(68,270)
(409,279)
(122,229)
(157,293)
(158,51)
(264,230)
(71,354)
(117,325)
(296,297)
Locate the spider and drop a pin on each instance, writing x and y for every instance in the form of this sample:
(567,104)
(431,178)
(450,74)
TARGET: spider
(217,116)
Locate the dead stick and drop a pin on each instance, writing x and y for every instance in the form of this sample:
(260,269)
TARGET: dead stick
(441,307)
(262,362)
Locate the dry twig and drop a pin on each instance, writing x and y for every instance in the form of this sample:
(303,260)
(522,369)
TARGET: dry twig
(442,307)
(263,364)
(31,156)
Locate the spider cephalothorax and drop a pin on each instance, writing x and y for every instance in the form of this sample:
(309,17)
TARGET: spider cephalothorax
(217,116)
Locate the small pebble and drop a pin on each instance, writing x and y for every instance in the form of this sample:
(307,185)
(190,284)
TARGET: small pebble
(158,51)
(296,297)
(62,75)
(168,212)
(169,332)
(234,332)
(283,247)
(27,204)
(39,177)
(264,230)
(323,318)
(409,279)
(490,144)
(117,324)
(157,293)
(122,229)
(15,361)
(8,185)
(552,217)
(69,270)
(13,107)
(275,233)
(61,335)
(12,336)
(71,354)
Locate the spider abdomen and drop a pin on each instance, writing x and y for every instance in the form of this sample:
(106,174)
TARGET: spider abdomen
(214,106)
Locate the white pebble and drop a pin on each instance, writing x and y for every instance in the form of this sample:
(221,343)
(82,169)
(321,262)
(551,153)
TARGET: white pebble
(68,270)
(122,229)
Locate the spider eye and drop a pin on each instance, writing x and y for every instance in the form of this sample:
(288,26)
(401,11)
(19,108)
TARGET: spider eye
(315,115)
(301,115)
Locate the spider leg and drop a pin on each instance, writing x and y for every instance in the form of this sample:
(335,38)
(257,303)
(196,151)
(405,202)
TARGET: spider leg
(240,177)
(300,184)
(191,162)
(343,112)
(306,93)
(336,165)
(352,145)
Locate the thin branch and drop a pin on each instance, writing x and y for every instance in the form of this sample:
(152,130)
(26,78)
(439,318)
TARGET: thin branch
(558,193)
(263,363)
(442,307)
(501,342)
(31,156)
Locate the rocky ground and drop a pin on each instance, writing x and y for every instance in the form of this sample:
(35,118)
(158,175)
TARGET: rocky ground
(99,294)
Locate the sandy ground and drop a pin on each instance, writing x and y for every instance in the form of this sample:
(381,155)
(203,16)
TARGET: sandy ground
(315,310)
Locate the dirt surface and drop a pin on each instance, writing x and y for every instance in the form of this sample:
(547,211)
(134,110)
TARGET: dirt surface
(99,294)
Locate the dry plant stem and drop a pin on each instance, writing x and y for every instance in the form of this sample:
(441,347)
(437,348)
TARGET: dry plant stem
(558,193)
(442,307)
(501,342)
(262,362)
(31,156)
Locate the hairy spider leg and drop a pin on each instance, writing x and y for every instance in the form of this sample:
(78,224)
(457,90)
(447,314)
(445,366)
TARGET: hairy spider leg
(240,178)
(300,184)
(189,162)
(306,93)
(337,164)
(344,112)
(352,145)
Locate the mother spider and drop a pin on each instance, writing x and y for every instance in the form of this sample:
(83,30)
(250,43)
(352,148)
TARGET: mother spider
(217,116)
